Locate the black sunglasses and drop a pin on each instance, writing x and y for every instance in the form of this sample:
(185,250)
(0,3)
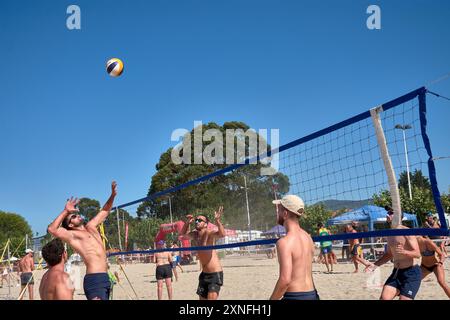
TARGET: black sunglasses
(73,216)
(199,220)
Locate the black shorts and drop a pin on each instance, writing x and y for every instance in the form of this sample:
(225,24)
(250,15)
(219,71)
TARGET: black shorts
(406,280)
(209,282)
(163,272)
(355,250)
(26,278)
(310,295)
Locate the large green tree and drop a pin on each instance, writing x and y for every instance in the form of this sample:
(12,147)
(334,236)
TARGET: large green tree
(14,227)
(314,215)
(226,189)
(418,180)
(422,199)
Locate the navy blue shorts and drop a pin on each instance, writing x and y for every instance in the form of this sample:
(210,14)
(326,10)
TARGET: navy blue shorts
(326,250)
(309,295)
(97,286)
(406,280)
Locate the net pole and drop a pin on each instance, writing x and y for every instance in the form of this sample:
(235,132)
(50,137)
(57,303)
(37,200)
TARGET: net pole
(118,228)
(392,180)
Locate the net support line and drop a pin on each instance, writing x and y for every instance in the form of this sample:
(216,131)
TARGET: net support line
(431,167)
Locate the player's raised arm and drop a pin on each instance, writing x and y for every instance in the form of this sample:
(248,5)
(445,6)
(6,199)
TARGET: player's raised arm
(185,230)
(55,228)
(103,214)
(220,233)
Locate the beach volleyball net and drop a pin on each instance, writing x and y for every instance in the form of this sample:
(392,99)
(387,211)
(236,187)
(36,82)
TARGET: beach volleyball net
(346,174)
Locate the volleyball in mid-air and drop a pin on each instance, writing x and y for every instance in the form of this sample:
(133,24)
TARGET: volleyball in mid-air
(114,67)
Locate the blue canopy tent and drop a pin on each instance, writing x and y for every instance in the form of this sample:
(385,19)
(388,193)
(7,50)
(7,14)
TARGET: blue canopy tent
(370,215)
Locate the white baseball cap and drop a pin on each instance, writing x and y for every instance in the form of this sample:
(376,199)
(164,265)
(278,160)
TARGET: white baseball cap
(28,251)
(292,203)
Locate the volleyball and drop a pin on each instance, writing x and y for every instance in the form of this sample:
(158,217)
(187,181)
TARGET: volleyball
(114,67)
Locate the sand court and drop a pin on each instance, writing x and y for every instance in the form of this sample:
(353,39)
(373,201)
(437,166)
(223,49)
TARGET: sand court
(248,278)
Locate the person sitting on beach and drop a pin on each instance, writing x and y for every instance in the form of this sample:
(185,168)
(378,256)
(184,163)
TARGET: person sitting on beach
(432,264)
(26,267)
(86,240)
(163,272)
(55,283)
(356,250)
(211,276)
(406,277)
(295,254)
(176,260)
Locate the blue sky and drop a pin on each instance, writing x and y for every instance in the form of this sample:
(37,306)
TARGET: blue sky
(67,128)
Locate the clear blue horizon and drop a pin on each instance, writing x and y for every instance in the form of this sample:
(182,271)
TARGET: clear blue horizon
(70,129)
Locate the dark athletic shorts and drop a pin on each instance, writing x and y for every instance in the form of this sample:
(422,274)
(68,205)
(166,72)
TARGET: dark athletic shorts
(309,295)
(209,282)
(163,272)
(406,280)
(97,286)
(326,250)
(26,278)
(355,250)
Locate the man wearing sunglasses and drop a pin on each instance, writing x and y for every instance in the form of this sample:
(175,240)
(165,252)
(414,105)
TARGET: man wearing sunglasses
(211,277)
(85,239)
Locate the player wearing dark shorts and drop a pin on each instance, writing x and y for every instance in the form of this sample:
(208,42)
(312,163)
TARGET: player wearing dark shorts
(97,286)
(211,278)
(209,282)
(355,250)
(26,278)
(310,295)
(164,272)
(406,280)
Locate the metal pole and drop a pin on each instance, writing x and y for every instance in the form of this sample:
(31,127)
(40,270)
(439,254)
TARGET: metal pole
(248,210)
(170,209)
(123,222)
(9,272)
(407,164)
(26,241)
(118,228)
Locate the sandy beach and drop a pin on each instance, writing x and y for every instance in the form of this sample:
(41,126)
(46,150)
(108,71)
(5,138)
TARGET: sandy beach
(246,277)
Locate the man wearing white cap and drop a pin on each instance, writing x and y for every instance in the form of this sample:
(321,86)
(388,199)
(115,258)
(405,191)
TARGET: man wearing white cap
(295,254)
(26,267)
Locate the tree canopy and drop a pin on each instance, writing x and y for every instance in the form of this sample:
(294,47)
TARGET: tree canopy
(226,189)
(422,200)
(14,227)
